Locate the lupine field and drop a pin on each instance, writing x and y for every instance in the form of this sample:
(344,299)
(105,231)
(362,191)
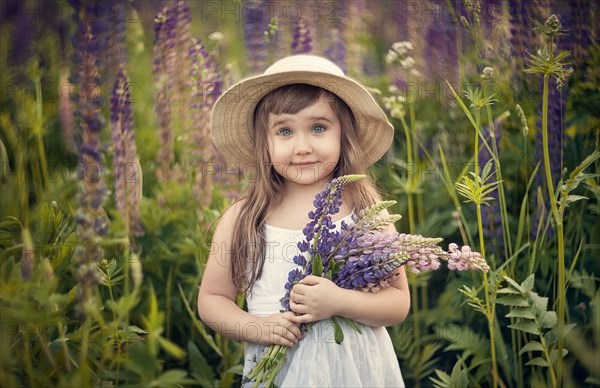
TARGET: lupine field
(111,187)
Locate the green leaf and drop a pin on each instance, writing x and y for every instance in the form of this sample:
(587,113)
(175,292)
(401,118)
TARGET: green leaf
(124,305)
(171,348)
(201,369)
(585,164)
(239,369)
(548,319)
(443,379)
(574,198)
(554,352)
(350,323)
(551,336)
(527,284)
(172,378)
(338,266)
(538,303)
(508,290)
(532,346)
(514,284)
(567,329)
(317,265)
(521,312)
(512,300)
(526,326)
(338,333)
(538,361)
(198,324)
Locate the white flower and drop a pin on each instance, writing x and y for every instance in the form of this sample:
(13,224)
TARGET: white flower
(391,57)
(216,37)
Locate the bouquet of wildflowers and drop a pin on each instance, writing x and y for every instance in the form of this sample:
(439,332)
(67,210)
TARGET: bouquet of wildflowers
(358,256)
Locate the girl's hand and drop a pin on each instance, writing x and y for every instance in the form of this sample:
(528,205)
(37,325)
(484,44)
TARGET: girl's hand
(279,329)
(314,299)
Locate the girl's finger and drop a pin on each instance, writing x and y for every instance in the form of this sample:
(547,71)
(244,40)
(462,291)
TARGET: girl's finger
(298,289)
(311,280)
(280,340)
(297,308)
(296,331)
(298,298)
(288,335)
(304,318)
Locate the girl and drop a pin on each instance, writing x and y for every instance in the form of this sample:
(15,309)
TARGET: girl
(299,125)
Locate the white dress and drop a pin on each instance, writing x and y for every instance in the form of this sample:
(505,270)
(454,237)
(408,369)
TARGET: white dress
(364,359)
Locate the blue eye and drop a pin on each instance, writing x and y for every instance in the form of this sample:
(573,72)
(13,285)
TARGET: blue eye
(285,132)
(319,128)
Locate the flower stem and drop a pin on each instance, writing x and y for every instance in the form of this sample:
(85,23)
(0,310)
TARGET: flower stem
(559,231)
(413,127)
(501,195)
(411,227)
(409,162)
(489,308)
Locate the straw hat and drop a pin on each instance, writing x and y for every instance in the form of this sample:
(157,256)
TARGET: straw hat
(232,120)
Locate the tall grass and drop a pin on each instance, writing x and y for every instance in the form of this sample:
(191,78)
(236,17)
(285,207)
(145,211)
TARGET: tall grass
(100,265)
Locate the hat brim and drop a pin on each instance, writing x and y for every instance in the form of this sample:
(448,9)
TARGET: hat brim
(232,119)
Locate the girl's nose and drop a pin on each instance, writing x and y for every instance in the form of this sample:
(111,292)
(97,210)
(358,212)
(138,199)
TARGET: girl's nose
(302,146)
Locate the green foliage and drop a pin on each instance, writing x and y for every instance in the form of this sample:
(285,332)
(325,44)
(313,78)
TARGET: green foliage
(477,189)
(140,326)
(457,379)
(418,356)
(532,316)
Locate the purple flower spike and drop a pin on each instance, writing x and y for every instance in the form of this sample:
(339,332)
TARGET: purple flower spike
(128,188)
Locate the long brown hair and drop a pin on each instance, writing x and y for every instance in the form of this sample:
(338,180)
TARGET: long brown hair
(265,189)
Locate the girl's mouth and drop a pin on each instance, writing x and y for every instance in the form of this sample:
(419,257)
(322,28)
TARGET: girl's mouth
(304,165)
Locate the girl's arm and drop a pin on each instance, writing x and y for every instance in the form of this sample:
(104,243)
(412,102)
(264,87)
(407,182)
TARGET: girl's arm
(318,298)
(216,299)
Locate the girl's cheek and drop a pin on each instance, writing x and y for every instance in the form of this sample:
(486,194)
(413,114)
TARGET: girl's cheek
(329,167)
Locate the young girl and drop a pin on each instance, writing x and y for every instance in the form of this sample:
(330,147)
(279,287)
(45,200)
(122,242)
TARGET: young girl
(299,125)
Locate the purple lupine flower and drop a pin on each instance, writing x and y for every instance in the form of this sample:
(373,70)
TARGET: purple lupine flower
(90,122)
(91,219)
(520,32)
(353,13)
(182,41)
(320,239)
(368,259)
(162,33)
(23,36)
(301,40)
(491,13)
(440,53)
(113,17)
(256,23)
(462,259)
(207,86)
(128,179)
(362,255)
(336,51)
(579,34)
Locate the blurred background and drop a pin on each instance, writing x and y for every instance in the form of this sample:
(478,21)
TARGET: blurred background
(111,186)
